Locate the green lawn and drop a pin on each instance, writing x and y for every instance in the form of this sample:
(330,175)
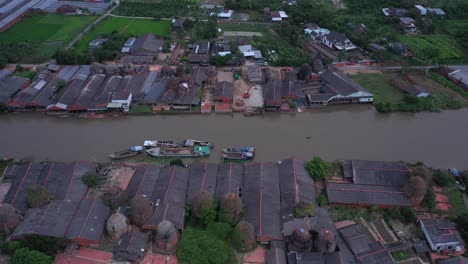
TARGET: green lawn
(46,28)
(400,255)
(126,25)
(379,86)
(445,45)
(141,109)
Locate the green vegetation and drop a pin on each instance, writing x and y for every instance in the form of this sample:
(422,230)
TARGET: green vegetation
(125,26)
(4,162)
(400,255)
(292,104)
(219,60)
(177,162)
(279,53)
(163,9)
(442,47)
(202,247)
(26,256)
(429,199)
(462,224)
(456,199)
(387,98)
(141,109)
(443,81)
(318,169)
(340,213)
(50,32)
(406,215)
(379,85)
(244,27)
(441,178)
(305,210)
(322,200)
(92,180)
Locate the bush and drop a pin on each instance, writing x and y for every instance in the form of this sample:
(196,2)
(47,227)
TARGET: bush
(322,200)
(462,225)
(208,216)
(26,256)
(383,107)
(47,245)
(292,104)
(409,215)
(177,162)
(318,168)
(200,247)
(305,210)
(220,231)
(91,180)
(441,179)
(429,199)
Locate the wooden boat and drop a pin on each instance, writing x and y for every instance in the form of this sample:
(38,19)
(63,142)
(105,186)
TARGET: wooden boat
(197,151)
(193,142)
(123,154)
(245,153)
(458,179)
(160,144)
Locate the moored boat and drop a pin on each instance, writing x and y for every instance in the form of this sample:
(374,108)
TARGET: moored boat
(458,179)
(194,143)
(133,151)
(197,151)
(160,144)
(245,153)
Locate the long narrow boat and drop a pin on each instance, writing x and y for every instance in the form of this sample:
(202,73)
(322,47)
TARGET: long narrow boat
(123,154)
(193,143)
(160,144)
(245,153)
(197,151)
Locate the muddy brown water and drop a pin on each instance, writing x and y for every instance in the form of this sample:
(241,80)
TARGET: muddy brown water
(350,132)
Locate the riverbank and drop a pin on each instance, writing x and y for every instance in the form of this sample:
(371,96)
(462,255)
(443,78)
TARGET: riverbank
(338,132)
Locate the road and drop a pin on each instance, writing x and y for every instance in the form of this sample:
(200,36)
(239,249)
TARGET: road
(88,28)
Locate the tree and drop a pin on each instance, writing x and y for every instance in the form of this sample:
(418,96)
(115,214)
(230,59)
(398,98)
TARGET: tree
(462,225)
(26,256)
(92,180)
(416,189)
(318,168)
(3,61)
(304,71)
(199,247)
(429,199)
(441,179)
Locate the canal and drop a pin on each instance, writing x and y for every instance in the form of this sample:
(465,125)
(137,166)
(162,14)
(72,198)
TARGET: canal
(357,132)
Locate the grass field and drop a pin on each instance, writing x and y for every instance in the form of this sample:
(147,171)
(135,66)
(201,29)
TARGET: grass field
(47,33)
(243,27)
(46,28)
(455,26)
(379,86)
(446,46)
(126,25)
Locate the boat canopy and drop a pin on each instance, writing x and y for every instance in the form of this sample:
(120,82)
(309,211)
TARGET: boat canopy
(136,148)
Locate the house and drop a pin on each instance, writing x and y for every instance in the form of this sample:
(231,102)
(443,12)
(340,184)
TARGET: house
(224,92)
(201,47)
(407,24)
(53,67)
(454,260)
(250,52)
(9,86)
(202,179)
(291,90)
(460,77)
(315,32)
(421,10)
(399,47)
(272,94)
(315,258)
(416,90)
(120,101)
(201,59)
(337,88)
(276,255)
(230,179)
(143,181)
(277,16)
(96,43)
(437,11)
(60,178)
(261,197)
(25,96)
(87,226)
(296,186)
(143,48)
(88,93)
(398,12)
(181,94)
(84,255)
(367,183)
(339,41)
(223,14)
(155,92)
(178,23)
(364,245)
(442,235)
(254,74)
(132,247)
